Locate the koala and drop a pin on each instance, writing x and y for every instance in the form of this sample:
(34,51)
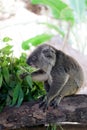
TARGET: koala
(62,75)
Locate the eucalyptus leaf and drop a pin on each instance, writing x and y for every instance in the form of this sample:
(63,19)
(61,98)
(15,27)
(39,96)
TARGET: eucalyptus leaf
(29,81)
(67,14)
(7,39)
(56,6)
(16,94)
(7,50)
(20,97)
(36,40)
(6,74)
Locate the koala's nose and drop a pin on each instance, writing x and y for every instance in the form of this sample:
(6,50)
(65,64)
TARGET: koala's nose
(28,61)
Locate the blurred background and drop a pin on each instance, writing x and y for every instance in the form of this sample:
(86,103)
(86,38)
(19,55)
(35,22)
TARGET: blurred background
(27,23)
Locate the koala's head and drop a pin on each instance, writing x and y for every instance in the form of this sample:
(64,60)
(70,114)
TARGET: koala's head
(42,57)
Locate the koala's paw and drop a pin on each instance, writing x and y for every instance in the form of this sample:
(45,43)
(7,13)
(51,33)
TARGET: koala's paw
(43,105)
(55,102)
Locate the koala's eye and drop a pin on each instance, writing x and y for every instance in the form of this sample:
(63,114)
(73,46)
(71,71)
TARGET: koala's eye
(52,51)
(45,51)
(34,58)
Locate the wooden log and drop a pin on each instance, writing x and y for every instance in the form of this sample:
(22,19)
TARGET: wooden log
(71,109)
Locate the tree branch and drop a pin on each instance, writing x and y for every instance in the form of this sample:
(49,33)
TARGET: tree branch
(71,109)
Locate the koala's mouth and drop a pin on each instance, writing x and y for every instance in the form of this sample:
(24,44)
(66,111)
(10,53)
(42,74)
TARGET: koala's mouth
(35,67)
(32,65)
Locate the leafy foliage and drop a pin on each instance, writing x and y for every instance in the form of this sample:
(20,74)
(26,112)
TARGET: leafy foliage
(14,90)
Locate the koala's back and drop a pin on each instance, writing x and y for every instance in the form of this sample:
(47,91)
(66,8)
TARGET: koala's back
(70,66)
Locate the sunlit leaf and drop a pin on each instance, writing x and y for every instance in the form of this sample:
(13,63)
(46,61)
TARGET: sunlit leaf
(56,6)
(67,14)
(7,39)
(5,63)
(36,40)
(7,49)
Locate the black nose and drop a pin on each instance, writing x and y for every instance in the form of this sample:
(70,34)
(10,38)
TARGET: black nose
(28,61)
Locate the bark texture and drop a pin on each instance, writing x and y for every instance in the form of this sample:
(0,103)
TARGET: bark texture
(71,109)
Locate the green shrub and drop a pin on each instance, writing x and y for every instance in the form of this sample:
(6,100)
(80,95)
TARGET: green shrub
(13,89)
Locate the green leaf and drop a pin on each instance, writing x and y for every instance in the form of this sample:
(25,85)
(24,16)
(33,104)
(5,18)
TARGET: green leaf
(4,63)
(16,94)
(52,4)
(56,6)
(27,91)
(36,40)
(29,81)
(7,50)
(21,97)
(6,74)
(86,2)
(1,79)
(67,15)
(18,73)
(7,39)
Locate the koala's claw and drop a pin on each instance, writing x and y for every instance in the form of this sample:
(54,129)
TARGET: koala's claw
(55,105)
(44,106)
(52,103)
(41,104)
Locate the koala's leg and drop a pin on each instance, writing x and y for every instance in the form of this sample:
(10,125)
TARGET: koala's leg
(70,88)
(39,75)
(56,87)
